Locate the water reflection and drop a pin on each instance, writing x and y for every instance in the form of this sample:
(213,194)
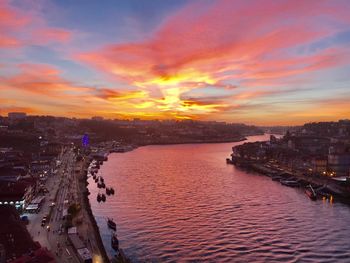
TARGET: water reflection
(184,203)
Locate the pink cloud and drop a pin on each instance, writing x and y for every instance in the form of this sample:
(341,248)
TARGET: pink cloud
(219,38)
(8,41)
(11,18)
(49,35)
(19,28)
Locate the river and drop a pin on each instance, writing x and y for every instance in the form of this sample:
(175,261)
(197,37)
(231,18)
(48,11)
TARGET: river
(184,203)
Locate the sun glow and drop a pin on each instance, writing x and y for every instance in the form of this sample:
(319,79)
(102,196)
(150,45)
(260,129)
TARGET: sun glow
(218,60)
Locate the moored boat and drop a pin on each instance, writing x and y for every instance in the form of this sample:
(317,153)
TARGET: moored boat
(310,192)
(111,224)
(115,242)
(276,178)
(109,191)
(290,182)
(99,198)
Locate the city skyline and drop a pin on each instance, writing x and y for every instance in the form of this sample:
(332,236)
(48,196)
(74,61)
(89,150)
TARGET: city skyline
(257,62)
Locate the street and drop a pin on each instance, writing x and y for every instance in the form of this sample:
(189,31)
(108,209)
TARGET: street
(61,186)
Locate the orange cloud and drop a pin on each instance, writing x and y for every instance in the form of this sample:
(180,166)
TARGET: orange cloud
(6,110)
(110,94)
(41,87)
(207,45)
(41,79)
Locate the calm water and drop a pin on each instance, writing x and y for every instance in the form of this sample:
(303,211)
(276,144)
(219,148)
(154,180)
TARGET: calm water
(183,203)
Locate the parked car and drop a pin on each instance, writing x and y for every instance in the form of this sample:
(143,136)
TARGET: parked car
(43,221)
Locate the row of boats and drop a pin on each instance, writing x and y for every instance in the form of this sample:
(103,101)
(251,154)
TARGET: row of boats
(311,190)
(101,197)
(93,169)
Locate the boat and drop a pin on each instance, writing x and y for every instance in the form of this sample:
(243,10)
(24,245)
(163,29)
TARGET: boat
(310,192)
(276,178)
(103,185)
(290,182)
(228,161)
(101,179)
(99,198)
(99,185)
(111,224)
(103,198)
(115,242)
(109,191)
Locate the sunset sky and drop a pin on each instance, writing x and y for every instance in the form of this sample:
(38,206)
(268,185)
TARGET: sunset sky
(257,62)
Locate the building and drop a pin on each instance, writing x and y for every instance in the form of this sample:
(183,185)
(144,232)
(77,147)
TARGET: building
(39,166)
(17,115)
(339,164)
(17,193)
(309,144)
(16,244)
(339,160)
(40,255)
(79,246)
(319,165)
(97,118)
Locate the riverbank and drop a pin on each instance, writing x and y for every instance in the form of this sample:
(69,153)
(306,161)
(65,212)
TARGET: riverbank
(119,256)
(89,228)
(326,185)
(109,147)
(240,139)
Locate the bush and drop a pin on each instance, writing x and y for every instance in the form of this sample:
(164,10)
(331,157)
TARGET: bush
(73,209)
